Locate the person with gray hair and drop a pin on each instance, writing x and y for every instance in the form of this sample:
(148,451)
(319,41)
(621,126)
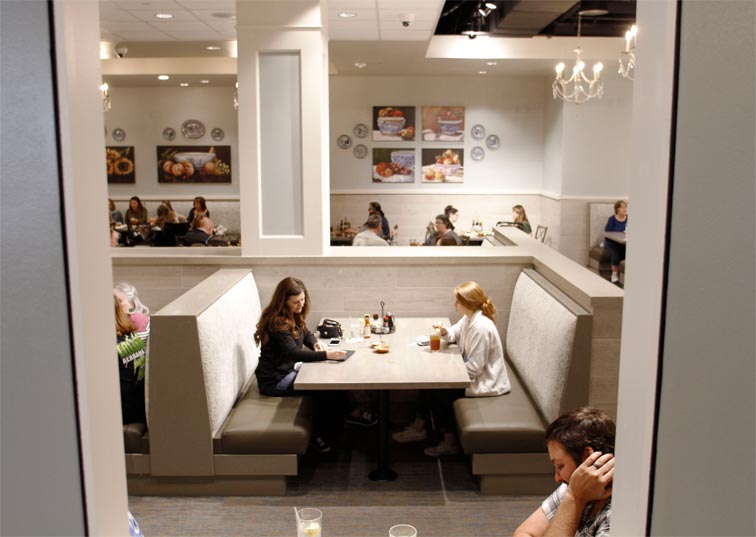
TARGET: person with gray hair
(138,313)
(371,236)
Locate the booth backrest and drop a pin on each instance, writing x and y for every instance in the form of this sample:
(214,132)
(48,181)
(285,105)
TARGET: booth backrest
(202,353)
(548,344)
(598,214)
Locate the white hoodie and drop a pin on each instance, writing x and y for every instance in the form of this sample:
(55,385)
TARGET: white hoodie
(481,348)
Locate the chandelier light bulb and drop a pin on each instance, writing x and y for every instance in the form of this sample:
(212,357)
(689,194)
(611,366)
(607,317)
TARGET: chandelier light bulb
(597,68)
(627,56)
(559,68)
(491,5)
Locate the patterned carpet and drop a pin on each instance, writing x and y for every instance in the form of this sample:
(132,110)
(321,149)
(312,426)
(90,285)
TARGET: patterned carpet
(439,498)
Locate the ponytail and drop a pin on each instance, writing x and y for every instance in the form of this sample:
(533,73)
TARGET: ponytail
(488,309)
(472,297)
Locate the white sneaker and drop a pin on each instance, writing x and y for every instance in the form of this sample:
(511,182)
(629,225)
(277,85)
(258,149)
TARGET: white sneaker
(409,434)
(615,277)
(442,449)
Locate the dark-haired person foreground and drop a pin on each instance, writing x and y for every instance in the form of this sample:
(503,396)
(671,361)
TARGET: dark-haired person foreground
(443,228)
(581,447)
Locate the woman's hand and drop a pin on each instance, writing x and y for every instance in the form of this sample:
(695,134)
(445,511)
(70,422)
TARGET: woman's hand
(440,328)
(319,346)
(336,355)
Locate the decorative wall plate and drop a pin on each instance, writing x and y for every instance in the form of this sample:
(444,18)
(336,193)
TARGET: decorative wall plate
(360,151)
(169,134)
(492,142)
(478,132)
(478,153)
(217,134)
(360,130)
(344,141)
(119,135)
(192,129)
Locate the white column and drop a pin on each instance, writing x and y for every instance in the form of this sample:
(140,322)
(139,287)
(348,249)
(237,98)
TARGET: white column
(282,127)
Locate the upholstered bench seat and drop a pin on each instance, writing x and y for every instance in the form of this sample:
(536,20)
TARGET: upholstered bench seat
(133,434)
(508,423)
(600,261)
(262,424)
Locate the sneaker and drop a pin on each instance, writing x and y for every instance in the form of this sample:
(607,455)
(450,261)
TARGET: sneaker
(615,277)
(442,449)
(318,444)
(409,434)
(366,419)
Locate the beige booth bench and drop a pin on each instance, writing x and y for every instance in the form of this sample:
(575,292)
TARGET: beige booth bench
(210,431)
(548,352)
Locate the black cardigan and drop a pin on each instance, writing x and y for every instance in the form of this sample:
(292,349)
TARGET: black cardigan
(281,352)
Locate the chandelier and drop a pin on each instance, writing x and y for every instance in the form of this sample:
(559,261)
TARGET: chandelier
(106,104)
(627,56)
(578,88)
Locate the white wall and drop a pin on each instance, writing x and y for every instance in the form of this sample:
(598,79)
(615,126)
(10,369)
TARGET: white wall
(510,107)
(552,143)
(144,112)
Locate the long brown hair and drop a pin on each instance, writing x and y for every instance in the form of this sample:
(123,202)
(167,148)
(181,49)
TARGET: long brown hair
(520,210)
(471,296)
(123,323)
(277,317)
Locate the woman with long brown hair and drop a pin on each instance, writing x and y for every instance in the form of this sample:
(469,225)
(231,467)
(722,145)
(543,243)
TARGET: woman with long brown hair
(480,345)
(520,218)
(285,342)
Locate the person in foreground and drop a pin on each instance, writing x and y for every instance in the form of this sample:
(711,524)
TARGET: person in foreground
(480,345)
(581,447)
(616,222)
(131,352)
(371,236)
(285,343)
(443,228)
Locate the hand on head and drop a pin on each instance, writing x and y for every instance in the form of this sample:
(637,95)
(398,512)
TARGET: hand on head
(592,480)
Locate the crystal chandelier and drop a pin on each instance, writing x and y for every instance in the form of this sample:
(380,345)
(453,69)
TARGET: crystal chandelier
(627,56)
(578,88)
(106,104)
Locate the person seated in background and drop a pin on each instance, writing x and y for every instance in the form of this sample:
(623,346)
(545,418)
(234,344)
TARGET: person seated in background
(160,236)
(480,346)
(200,232)
(616,222)
(131,352)
(199,208)
(520,219)
(443,229)
(138,313)
(452,214)
(115,214)
(136,214)
(581,448)
(446,240)
(374,208)
(371,235)
(115,237)
(165,214)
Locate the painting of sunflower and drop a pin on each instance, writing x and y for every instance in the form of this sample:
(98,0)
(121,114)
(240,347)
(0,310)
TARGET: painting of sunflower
(119,162)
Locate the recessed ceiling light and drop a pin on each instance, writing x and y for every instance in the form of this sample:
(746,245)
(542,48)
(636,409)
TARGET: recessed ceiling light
(205,81)
(360,65)
(212,47)
(347,15)
(184,84)
(163,77)
(482,72)
(164,16)
(491,63)
(223,15)
(490,5)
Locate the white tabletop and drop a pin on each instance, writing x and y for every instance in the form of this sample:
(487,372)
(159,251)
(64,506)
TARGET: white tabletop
(405,366)
(616,236)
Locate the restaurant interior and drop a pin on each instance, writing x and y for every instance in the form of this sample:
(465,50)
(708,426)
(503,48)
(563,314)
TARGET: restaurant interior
(275,113)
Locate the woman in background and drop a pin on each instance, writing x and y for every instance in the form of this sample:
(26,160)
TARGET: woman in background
(131,351)
(521,219)
(136,214)
(616,222)
(452,214)
(480,345)
(165,214)
(115,215)
(285,342)
(199,208)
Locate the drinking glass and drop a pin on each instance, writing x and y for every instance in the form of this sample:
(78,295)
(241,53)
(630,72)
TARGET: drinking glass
(435,341)
(309,522)
(402,530)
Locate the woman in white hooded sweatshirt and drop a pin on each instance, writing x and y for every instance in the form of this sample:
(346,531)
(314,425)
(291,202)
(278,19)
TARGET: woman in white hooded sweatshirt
(481,349)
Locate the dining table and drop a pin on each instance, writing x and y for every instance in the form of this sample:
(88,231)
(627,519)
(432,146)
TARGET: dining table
(407,365)
(616,236)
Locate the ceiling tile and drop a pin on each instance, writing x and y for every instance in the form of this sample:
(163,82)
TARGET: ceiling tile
(109,12)
(405,35)
(216,5)
(148,15)
(351,5)
(144,4)
(353,35)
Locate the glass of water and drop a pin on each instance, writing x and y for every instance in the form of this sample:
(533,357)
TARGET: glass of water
(309,522)
(402,530)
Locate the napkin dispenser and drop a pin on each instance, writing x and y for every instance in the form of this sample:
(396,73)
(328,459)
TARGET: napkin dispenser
(330,329)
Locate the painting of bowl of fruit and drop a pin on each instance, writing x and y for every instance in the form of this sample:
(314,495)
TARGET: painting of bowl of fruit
(194,164)
(394,123)
(446,166)
(444,123)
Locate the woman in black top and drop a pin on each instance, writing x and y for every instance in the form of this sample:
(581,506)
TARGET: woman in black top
(285,341)
(199,207)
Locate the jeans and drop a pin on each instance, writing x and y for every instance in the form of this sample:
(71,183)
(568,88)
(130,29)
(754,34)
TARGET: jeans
(284,387)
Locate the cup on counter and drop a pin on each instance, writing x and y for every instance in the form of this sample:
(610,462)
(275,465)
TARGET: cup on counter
(402,530)
(309,522)
(435,341)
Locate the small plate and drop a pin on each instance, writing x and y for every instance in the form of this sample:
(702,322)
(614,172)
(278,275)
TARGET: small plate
(492,142)
(478,153)
(423,340)
(192,129)
(344,141)
(169,134)
(360,151)
(478,132)
(360,130)
(381,350)
(119,135)
(217,134)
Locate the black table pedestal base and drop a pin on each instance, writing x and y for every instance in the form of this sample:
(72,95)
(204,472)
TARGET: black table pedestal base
(384,471)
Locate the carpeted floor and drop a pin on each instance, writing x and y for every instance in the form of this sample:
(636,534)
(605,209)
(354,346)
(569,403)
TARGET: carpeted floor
(439,498)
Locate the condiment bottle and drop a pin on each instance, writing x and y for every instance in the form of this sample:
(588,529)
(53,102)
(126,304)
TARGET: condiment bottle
(366,328)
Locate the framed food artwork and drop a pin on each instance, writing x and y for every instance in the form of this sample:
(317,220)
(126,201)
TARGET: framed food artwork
(443,123)
(443,165)
(119,161)
(194,164)
(393,123)
(393,165)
